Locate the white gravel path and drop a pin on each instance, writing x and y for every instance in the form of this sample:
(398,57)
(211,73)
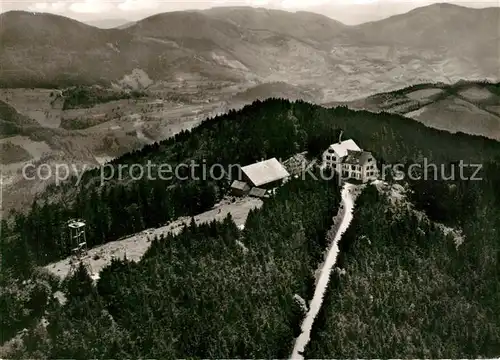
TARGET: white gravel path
(345,213)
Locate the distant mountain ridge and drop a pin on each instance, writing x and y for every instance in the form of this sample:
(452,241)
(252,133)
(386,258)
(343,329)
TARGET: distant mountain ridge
(436,26)
(110,23)
(436,42)
(467,107)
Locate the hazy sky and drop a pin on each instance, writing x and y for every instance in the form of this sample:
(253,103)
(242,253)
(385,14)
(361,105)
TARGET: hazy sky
(347,11)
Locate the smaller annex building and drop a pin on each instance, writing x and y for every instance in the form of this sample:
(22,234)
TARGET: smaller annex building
(266,174)
(240,188)
(263,175)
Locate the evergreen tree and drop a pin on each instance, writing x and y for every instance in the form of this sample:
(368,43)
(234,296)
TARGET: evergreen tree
(80,284)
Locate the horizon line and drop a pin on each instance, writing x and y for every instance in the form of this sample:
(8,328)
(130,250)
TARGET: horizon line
(89,21)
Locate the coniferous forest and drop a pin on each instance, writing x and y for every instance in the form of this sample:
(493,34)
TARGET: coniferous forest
(408,291)
(199,294)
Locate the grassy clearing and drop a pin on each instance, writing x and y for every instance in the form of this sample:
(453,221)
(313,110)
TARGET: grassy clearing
(212,291)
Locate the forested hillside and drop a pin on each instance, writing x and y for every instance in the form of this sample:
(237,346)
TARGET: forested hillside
(409,292)
(274,128)
(201,294)
(210,292)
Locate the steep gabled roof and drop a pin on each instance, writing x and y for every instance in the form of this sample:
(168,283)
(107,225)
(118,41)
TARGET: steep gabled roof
(341,148)
(265,172)
(357,157)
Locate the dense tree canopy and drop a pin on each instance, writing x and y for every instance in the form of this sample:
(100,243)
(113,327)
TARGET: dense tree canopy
(199,294)
(212,291)
(273,128)
(409,292)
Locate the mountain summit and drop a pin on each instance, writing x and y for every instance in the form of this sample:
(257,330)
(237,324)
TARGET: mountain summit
(260,45)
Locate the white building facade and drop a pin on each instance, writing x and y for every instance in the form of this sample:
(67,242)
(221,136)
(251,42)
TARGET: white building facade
(348,160)
(333,156)
(359,165)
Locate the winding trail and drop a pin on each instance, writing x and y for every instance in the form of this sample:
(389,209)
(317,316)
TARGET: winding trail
(345,214)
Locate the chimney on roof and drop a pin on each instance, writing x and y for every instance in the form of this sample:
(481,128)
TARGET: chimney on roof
(340,136)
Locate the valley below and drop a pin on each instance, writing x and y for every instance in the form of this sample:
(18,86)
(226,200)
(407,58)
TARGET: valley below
(287,261)
(89,136)
(101,93)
